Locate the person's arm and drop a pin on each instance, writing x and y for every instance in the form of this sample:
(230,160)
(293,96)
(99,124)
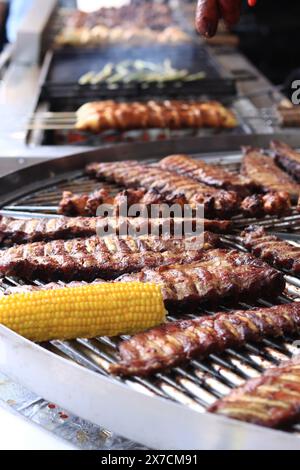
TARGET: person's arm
(209,12)
(3,13)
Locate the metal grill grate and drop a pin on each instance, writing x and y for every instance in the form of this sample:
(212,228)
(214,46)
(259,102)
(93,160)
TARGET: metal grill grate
(199,383)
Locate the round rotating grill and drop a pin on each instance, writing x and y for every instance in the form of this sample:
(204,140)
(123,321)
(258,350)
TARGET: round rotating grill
(200,382)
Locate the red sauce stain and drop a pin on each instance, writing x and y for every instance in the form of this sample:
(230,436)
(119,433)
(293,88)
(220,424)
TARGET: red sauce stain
(63,415)
(51,406)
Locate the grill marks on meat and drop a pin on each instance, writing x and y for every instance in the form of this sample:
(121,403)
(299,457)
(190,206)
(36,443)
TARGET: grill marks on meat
(33,230)
(87,259)
(173,343)
(272,400)
(273,250)
(217,275)
(168,184)
(266,174)
(104,115)
(209,174)
(46,229)
(287,158)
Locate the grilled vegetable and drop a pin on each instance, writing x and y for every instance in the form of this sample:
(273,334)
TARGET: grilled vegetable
(88,311)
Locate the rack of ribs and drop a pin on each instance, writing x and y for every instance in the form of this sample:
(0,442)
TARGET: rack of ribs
(111,115)
(134,174)
(218,275)
(273,250)
(287,158)
(209,174)
(89,258)
(174,343)
(200,277)
(272,400)
(19,231)
(266,174)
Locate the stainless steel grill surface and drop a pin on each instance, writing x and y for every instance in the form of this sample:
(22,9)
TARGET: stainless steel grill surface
(201,382)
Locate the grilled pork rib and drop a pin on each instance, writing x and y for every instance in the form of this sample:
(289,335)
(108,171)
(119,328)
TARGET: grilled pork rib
(271,203)
(216,274)
(287,158)
(89,258)
(32,230)
(265,173)
(219,274)
(209,174)
(272,400)
(87,204)
(168,184)
(273,250)
(104,115)
(173,343)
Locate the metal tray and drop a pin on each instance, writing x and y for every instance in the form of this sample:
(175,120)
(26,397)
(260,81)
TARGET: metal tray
(63,68)
(64,373)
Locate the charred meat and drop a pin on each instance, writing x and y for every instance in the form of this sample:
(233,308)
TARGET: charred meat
(209,174)
(89,258)
(45,229)
(271,203)
(173,343)
(219,274)
(168,184)
(272,400)
(287,158)
(266,174)
(87,204)
(273,250)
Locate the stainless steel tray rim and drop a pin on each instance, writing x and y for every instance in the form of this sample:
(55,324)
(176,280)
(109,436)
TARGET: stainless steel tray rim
(129,412)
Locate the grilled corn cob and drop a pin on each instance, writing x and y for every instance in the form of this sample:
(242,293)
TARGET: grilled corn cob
(86,311)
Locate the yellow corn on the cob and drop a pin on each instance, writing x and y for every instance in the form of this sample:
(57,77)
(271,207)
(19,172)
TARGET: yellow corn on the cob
(83,312)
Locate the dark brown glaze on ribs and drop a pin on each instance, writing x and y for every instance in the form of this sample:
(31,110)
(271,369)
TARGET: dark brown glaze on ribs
(173,343)
(89,258)
(273,250)
(209,174)
(272,400)
(287,158)
(104,115)
(168,184)
(87,204)
(219,274)
(271,203)
(266,174)
(45,229)
(83,204)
